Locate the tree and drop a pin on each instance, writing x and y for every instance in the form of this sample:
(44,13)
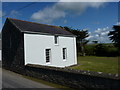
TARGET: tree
(80,39)
(95,41)
(100,50)
(115,36)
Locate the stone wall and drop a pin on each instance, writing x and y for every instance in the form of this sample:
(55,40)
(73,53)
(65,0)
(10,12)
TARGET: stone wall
(73,78)
(12,48)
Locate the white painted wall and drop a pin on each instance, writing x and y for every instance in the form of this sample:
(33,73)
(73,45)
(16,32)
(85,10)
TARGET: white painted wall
(35,45)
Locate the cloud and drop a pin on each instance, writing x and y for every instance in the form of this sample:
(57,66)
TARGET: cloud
(88,38)
(63,9)
(47,15)
(101,35)
(118,23)
(2,13)
(14,13)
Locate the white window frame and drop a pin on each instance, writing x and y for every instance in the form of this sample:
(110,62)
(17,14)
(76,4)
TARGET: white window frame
(49,56)
(64,52)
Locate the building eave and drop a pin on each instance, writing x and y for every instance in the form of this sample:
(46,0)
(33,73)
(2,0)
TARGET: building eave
(41,33)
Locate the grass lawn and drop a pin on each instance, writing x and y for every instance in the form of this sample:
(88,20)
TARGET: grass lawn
(99,64)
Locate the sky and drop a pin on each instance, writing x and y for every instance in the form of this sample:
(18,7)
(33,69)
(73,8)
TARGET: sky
(97,17)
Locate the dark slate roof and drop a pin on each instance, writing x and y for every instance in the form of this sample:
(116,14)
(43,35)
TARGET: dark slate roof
(26,26)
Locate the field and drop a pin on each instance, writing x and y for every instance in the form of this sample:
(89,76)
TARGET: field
(98,64)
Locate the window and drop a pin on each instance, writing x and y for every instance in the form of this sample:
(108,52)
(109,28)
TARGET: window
(48,55)
(64,53)
(56,39)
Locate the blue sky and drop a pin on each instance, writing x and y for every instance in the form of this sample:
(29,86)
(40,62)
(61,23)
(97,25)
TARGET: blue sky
(97,17)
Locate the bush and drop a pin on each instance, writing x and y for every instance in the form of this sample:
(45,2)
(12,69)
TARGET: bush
(105,50)
(112,51)
(90,50)
(101,50)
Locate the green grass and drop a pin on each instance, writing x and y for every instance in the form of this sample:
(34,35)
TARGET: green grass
(99,64)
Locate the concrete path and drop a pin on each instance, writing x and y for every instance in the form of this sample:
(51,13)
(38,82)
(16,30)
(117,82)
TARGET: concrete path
(13,80)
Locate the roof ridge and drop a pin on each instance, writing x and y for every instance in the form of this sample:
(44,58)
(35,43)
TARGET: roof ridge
(34,22)
(14,23)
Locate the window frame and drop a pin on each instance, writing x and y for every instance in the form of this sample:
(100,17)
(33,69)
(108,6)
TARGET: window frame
(64,54)
(49,49)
